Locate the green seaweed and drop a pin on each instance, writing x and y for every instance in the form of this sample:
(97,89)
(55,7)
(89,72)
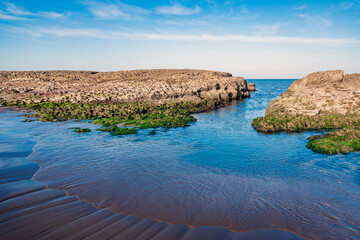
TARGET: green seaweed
(343,138)
(140,114)
(124,131)
(340,141)
(82,130)
(116,131)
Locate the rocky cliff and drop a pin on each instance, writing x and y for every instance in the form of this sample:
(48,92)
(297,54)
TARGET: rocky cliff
(322,100)
(123,86)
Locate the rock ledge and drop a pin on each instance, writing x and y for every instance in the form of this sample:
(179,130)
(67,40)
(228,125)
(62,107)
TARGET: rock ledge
(124,86)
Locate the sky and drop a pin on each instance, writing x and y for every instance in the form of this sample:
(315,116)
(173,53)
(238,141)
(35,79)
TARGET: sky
(252,39)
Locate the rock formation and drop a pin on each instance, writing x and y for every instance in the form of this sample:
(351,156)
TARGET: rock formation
(322,100)
(124,86)
(322,92)
(251,87)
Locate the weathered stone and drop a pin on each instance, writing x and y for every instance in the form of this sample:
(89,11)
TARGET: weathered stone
(329,91)
(322,100)
(251,87)
(124,86)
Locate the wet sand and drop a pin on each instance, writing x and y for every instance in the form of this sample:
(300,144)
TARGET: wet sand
(28,210)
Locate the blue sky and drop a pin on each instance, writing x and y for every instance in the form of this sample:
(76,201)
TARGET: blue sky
(254,39)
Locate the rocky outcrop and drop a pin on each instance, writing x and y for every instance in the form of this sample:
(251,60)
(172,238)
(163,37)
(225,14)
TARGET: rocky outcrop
(322,92)
(123,86)
(322,100)
(251,87)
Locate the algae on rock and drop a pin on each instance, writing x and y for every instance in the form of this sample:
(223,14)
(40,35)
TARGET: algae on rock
(141,115)
(324,100)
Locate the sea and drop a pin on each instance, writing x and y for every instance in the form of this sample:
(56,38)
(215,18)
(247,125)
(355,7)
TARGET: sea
(217,172)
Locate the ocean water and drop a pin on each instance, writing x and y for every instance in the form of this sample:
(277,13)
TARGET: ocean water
(217,172)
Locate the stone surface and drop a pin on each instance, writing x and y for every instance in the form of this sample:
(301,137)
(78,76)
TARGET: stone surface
(123,86)
(330,91)
(322,100)
(251,87)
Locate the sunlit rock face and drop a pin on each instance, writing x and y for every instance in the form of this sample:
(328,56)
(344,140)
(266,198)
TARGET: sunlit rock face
(321,92)
(123,86)
(319,101)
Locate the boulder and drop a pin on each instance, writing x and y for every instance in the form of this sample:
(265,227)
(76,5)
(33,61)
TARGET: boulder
(251,87)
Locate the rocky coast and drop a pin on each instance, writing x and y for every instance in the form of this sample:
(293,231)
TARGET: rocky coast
(140,98)
(328,101)
(162,85)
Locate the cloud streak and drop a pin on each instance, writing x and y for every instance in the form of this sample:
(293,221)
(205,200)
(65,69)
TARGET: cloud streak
(317,20)
(121,35)
(301,7)
(51,14)
(114,10)
(177,9)
(342,6)
(270,29)
(11,8)
(107,11)
(16,13)
(5,16)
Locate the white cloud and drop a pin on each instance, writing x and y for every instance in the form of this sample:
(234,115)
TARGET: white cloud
(342,6)
(114,10)
(177,9)
(270,29)
(51,14)
(317,20)
(4,16)
(17,13)
(107,11)
(301,7)
(121,35)
(11,8)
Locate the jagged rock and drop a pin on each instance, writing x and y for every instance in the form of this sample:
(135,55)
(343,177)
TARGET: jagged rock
(123,86)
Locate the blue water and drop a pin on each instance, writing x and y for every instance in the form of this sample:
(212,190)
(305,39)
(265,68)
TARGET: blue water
(217,172)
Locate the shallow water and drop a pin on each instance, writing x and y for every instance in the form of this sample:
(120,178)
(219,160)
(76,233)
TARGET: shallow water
(217,172)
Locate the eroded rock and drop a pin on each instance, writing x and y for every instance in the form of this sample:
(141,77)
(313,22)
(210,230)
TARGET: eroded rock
(123,86)
(322,100)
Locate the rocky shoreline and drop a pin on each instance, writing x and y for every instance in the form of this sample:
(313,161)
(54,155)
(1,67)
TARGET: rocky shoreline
(161,85)
(140,98)
(327,100)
